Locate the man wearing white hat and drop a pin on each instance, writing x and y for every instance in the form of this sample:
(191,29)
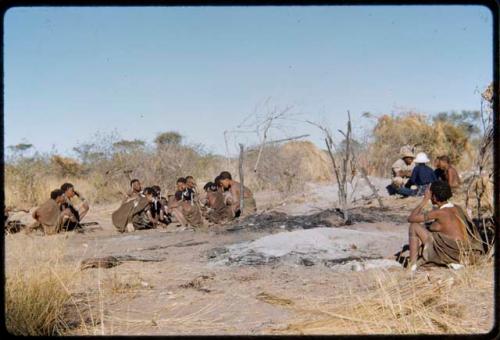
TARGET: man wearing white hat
(422,176)
(401,170)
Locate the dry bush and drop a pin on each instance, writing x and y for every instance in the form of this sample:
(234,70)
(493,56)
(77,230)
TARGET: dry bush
(285,168)
(37,296)
(435,139)
(66,166)
(396,303)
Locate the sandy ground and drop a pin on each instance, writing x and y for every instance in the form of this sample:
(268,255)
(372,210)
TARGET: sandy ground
(204,282)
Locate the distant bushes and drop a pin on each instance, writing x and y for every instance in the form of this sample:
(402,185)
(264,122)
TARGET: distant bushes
(438,137)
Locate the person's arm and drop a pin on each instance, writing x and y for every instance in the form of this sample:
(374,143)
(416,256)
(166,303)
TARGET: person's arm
(404,173)
(35,215)
(413,178)
(453,179)
(417,216)
(67,214)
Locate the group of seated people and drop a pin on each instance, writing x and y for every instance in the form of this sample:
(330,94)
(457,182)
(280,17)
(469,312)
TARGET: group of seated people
(218,203)
(58,213)
(411,175)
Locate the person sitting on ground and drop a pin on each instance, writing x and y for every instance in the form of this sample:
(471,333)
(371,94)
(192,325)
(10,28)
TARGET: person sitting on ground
(191,185)
(183,208)
(158,211)
(79,214)
(134,192)
(422,176)
(218,212)
(133,214)
(49,216)
(449,173)
(234,188)
(438,172)
(401,170)
(451,238)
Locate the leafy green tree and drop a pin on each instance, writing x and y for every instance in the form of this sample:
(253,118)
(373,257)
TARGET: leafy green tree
(168,138)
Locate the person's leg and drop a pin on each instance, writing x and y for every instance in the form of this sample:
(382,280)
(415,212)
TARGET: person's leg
(391,190)
(179,216)
(417,233)
(404,191)
(84,209)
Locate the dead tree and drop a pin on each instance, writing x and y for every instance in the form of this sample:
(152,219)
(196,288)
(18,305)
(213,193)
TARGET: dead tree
(343,167)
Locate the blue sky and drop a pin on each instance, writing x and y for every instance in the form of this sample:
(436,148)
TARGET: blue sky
(71,72)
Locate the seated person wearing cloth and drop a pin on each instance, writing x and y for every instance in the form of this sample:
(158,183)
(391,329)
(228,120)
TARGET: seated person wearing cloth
(234,189)
(159,207)
(183,207)
(79,214)
(50,216)
(451,238)
(422,176)
(135,212)
(218,212)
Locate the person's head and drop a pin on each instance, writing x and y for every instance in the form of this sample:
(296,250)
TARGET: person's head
(407,155)
(181,184)
(57,195)
(210,186)
(135,184)
(157,189)
(421,158)
(441,192)
(68,189)
(225,179)
(408,160)
(190,182)
(150,194)
(444,162)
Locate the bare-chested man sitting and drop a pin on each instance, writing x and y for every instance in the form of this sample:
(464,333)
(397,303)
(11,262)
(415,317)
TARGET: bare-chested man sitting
(450,239)
(134,192)
(234,188)
(449,173)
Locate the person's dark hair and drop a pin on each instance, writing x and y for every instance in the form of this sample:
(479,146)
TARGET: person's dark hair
(150,191)
(181,180)
(441,191)
(56,193)
(133,181)
(156,188)
(189,177)
(444,158)
(210,186)
(66,186)
(217,181)
(225,175)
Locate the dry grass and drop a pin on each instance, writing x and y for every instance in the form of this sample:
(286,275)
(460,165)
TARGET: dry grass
(37,290)
(437,301)
(436,139)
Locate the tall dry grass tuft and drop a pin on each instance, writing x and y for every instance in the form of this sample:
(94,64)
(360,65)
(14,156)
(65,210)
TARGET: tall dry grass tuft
(435,302)
(37,287)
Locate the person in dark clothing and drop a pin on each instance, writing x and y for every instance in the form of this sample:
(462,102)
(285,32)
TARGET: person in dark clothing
(422,176)
(157,208)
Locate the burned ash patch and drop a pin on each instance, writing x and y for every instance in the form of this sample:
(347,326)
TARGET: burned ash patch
(336,248)
(329,218)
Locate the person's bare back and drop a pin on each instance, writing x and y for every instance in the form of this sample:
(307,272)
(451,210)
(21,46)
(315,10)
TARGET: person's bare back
(448,223)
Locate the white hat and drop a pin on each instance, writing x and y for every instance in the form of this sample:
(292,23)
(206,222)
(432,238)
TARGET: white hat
(421,158)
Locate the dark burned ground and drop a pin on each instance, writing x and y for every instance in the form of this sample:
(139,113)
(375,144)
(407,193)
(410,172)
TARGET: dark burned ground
(279,221)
